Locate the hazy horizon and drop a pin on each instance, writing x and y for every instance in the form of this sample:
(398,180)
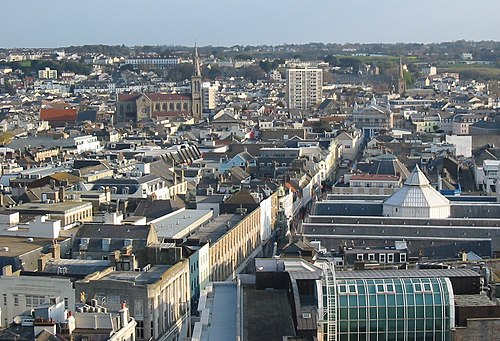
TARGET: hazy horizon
(58,23)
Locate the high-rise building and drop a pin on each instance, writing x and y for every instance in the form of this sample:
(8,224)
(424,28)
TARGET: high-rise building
(303,87)
(47,73)
(209,95)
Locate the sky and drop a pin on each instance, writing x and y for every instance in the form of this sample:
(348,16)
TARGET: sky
(57,23)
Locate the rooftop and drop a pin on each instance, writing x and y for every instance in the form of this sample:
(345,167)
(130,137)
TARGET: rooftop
(59,207)
(214,230)
(15,246)
(268,315)
(223,312)
(480,300)
(414,273)
(181,223)
(138,278)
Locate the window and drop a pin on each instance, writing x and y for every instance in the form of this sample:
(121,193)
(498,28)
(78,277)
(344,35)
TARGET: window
(138,309)
(127,242)
(139,330)
(33,301)
(381,258)
(371,256)
(113,299)
(4,299)
(402,257)
(390,258)
(16,300)
(359,257)
(105,244)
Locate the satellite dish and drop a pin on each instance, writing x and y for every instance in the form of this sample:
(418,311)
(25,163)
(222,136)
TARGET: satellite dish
(18,319)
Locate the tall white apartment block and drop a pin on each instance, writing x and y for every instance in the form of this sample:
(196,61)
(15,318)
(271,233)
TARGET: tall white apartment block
(47,73)
(303,87)
(209,94)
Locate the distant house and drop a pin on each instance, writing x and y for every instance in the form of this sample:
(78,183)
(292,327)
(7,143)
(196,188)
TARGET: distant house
(243,160)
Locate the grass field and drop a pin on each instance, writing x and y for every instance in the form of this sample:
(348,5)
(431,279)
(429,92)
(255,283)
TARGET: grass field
(479,72)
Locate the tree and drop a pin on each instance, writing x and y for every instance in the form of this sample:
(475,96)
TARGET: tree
(251,72)
(331,60)
(265,65)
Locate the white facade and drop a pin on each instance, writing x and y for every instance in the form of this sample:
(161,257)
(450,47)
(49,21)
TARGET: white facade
(47,73)
(489,176)
(21,293)
(304,87)
(463,144)
(266,218)
(87,143)
(209,95)
(417,199)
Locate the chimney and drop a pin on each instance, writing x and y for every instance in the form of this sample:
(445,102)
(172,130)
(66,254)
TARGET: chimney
(70,321)
(55,250)
(7,270)
(124,315)
(62,193)
(42,261)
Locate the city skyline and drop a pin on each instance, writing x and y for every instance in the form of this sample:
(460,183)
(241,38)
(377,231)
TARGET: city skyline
(155,22)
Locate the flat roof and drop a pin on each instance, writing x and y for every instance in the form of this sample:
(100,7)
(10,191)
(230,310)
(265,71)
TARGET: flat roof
(142,277)
(413,273)
(477,300)
(180,223)
(214,230)
(59,207)
(268,314)
(224,309)
(20,245)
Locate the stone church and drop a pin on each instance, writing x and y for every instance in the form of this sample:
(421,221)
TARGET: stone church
(137,106)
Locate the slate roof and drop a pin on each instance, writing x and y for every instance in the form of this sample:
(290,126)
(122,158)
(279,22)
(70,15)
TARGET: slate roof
(349,208)
(153,209)
(242,197)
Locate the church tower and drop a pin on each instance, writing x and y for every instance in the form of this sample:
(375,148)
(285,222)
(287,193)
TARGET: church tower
(196,99)
(401,83)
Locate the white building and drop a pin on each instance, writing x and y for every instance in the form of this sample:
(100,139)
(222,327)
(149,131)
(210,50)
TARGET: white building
(304,87)
(87,143)
(463,144)
(47,73)
(417,199)
(21,293)
(487,175)
(160,63)
(429,70)
(209,95)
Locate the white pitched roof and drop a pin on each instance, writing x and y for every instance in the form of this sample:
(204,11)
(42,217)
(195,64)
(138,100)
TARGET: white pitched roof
(417,192)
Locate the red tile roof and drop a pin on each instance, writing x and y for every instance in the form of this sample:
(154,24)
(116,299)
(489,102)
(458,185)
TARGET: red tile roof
(51,114)
(128,97)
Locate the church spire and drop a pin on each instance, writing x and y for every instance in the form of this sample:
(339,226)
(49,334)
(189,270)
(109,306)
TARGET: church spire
(401,83)
(196,62)
(196,95)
